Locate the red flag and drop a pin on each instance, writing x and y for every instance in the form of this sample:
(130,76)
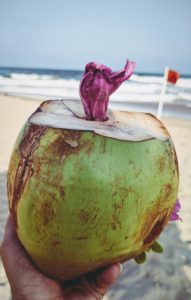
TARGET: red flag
(173,76)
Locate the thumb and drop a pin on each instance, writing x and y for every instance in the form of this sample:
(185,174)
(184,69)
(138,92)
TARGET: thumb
(99,284)
(16,262)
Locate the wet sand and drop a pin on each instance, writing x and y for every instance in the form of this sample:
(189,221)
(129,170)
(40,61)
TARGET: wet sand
(178,110)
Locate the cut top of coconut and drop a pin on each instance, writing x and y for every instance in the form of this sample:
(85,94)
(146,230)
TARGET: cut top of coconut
(123,125)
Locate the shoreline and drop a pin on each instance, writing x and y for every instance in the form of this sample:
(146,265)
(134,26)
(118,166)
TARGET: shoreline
(175,110)
(165,276)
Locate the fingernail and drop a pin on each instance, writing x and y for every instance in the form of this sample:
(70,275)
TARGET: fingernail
(120,267)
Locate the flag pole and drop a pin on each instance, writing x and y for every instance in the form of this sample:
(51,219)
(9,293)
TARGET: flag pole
(163,90)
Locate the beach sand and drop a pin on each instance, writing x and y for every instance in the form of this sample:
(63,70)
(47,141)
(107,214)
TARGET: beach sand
(163,277)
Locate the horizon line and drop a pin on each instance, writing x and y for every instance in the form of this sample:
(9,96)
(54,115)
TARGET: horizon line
(82,70)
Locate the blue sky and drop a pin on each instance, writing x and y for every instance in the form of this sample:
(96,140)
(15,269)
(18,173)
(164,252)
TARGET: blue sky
(68,34)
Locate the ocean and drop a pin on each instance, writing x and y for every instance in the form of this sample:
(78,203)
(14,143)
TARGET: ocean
(141,92)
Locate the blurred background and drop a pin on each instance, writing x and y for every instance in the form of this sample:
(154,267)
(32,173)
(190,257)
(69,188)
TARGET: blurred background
(44,47)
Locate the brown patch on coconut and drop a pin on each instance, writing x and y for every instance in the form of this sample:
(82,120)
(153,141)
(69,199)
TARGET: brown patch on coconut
(155,226)
(56,243)
(176,162)
(25,170)
(66,143)
(46,212)
(160,163)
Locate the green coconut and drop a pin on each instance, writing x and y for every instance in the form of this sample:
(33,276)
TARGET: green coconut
(84,194)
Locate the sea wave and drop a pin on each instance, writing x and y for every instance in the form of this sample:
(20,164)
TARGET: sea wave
(65,84)
(22,76)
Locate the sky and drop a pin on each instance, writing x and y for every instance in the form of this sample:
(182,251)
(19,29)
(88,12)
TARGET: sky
(68,34)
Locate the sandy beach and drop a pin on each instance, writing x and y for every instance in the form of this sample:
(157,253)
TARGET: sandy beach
(162,277)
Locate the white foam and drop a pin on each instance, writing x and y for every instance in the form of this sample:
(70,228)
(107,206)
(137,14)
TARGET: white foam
(138,88)
(184,83)
(147,79)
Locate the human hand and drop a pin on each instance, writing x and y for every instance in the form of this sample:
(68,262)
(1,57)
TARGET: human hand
(28,283)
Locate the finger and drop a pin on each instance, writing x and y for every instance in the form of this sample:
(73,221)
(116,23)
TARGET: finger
(11,248)
(25,279)
(14,257)
(99,284)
